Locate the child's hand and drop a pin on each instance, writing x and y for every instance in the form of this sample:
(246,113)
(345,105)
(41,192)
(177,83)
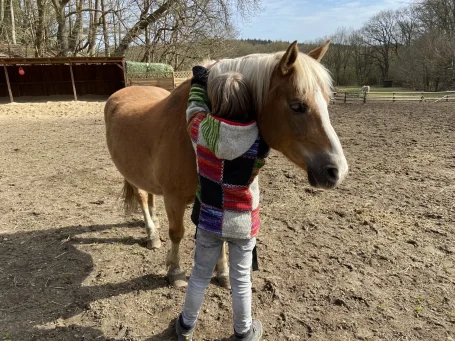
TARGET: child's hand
(200,75)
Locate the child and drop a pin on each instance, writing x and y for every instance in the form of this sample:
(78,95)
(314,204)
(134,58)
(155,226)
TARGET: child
(229,153)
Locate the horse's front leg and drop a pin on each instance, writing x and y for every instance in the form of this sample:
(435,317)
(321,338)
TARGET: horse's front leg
(222,270)
(175,209)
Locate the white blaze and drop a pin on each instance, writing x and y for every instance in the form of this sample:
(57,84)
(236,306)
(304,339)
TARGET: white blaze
(336,151)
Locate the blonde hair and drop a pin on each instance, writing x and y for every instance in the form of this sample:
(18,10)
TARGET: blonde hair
(230,97)
(309,75)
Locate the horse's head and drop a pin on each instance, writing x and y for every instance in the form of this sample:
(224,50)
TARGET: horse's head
(292,91)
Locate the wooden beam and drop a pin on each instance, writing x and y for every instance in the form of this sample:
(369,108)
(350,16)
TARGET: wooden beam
(72,82)
(62,60)
(9,85)
(125,79)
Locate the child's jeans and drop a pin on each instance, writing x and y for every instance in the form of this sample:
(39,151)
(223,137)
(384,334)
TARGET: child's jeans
(207,254)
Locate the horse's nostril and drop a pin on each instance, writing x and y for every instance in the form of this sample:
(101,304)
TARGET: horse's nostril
(331,174)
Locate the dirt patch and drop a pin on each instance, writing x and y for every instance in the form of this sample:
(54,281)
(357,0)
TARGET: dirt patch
(372,260)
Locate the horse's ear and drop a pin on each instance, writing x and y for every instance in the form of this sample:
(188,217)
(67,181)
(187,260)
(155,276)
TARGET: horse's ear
(289,58)
(320,51)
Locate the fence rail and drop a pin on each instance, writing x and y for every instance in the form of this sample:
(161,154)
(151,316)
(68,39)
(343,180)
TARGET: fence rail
(396,96)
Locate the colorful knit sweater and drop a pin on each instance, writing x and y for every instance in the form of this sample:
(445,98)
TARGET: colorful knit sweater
(229,156)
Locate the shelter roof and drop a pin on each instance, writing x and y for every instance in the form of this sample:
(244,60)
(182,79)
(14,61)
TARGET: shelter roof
(60,60)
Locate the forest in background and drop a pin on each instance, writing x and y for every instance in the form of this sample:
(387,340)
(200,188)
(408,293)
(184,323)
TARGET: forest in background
(413,46)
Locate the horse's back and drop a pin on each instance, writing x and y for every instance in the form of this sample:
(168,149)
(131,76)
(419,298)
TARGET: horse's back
(132,98)
(147,139)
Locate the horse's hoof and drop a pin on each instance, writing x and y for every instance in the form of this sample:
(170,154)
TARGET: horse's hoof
(154,244)
(179,283)
(223,281)
(177,280)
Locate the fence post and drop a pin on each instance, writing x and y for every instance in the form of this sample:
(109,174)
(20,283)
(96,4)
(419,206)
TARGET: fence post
(345,97)
(422,97)
(8,83)
(173,79)
(393,97)
(72,82)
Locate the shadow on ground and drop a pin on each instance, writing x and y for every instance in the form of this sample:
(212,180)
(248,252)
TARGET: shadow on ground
(41,276)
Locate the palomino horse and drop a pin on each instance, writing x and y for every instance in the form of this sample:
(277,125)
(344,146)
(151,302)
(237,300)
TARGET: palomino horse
(149,144)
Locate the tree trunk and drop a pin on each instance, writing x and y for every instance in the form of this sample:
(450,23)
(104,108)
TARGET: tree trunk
(94,29)
(114,25)
(76,32)
(39,38)
(13,24)
(146,57)
(105,30)
(386,69)
(62,30)
(2,11)
(143,22)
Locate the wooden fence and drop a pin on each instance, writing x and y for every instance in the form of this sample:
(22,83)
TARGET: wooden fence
(165,80)
(170,80)
(402,96)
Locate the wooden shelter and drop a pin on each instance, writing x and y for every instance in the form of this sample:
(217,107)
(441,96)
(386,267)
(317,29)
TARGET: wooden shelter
(61,76)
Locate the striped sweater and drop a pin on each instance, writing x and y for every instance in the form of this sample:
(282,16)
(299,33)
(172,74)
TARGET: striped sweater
(229,156)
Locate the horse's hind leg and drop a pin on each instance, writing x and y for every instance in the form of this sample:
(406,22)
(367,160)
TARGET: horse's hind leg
(175,209)
(222,270)
(153,237)
(152,210)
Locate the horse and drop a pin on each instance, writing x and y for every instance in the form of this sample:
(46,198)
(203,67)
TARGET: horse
(365,88)
(147,138)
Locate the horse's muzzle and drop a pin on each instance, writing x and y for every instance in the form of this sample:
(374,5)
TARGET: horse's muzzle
(326,177)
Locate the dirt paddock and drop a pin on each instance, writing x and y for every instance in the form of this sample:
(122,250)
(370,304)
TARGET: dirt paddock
(373,260)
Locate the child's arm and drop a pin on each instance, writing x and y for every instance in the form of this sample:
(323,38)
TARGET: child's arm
(198,101)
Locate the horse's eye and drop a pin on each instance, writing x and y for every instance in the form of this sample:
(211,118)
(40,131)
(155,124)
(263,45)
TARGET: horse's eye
(299,107)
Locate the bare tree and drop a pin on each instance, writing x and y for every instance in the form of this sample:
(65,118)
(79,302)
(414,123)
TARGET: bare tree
(13,22)
(39,35)
(93,27)
(363,62)
(105,29)
(339,55)
(380,33)
(2,11)
(75,35)
(438,15)
(62,33)
(151,14)
(409,25)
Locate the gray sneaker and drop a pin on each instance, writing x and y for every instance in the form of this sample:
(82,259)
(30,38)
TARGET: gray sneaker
(254,334)
(183,334)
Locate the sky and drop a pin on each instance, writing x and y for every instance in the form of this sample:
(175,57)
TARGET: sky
(307,20)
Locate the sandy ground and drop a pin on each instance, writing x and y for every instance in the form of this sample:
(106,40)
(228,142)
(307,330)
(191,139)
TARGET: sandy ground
(372,260)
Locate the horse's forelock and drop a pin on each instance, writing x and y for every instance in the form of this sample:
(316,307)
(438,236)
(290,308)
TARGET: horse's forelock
(310,76)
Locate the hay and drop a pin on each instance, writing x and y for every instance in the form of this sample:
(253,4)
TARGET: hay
(136,67)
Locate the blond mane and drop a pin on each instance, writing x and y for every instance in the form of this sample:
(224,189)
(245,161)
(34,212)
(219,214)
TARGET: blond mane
(257,69)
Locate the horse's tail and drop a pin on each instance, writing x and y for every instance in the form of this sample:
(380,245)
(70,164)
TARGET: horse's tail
(129,198)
